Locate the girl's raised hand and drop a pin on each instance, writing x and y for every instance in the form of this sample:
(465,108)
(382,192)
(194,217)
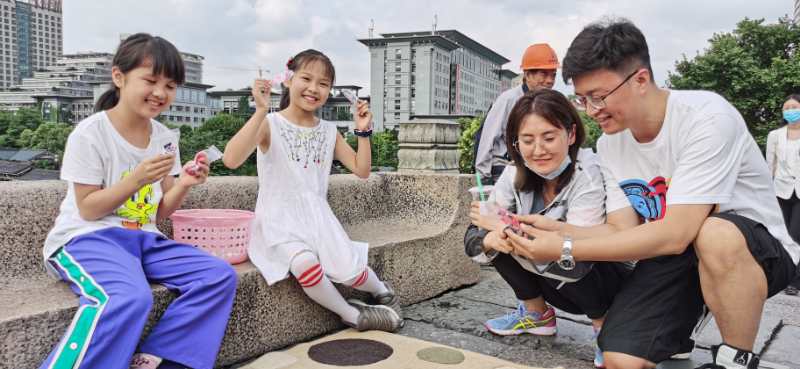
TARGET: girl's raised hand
(261,91)
(363,118)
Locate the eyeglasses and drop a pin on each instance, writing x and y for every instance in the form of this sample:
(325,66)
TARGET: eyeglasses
(582,102)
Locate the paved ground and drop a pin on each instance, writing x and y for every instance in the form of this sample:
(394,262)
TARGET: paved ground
(455,319)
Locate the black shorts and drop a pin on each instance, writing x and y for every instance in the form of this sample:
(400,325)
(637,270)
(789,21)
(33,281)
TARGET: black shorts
(660,302)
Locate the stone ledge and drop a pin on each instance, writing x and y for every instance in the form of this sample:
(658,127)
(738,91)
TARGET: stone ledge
(414,223)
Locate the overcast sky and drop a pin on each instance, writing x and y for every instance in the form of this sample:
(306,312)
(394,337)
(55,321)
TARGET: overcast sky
(236,37)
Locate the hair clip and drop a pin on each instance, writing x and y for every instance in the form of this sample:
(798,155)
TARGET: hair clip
(281,77)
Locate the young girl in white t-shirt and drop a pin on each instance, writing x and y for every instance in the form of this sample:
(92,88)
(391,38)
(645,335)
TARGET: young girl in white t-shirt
(295,229)
(120,165)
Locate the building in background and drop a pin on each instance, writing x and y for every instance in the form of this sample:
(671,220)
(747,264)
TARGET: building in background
(31,38)
(336,108)
(193,65)
(193,105)
(509,79)
(796,11)
(68,90)
(438,73)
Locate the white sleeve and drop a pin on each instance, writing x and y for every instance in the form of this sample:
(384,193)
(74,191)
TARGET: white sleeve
(83,160)
(492,128)
(586,205)
(772,142)
(707,162)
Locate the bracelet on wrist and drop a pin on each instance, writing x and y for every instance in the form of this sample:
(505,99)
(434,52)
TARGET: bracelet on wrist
(361,133)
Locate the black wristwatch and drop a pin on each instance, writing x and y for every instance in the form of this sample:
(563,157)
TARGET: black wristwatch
(361,133)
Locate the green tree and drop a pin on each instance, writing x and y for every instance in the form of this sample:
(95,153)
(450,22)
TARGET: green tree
(216,131)
(50,136)
(466,143)
(22,119)
(384,149)
(593,131)
(755,67)
(243,110)
(384,146)
(5,121)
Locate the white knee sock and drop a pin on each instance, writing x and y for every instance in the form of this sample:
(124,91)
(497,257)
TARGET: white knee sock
(367,281)
(306,268)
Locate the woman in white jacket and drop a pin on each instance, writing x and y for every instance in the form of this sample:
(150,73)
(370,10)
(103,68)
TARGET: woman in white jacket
(783,158)
(553,177)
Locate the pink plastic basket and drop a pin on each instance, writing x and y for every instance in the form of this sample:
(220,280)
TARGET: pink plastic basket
(224,233)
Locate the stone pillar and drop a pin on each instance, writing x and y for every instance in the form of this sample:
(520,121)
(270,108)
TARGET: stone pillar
(428,145)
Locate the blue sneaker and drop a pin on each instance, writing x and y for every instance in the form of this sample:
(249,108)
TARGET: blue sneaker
(521,321)
(598,355)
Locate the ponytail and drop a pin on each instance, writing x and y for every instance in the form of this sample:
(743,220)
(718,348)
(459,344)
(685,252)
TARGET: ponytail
(284,98)
(108,99)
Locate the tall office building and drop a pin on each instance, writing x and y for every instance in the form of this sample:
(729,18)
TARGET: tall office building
(30,38)
(431,73)
(796,11)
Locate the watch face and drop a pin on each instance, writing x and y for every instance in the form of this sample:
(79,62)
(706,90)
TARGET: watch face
(567,263)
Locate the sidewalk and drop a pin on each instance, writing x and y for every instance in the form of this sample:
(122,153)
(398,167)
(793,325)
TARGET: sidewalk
(455,319)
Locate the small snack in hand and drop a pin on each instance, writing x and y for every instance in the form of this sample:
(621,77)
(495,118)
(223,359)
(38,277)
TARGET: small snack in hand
(212,154)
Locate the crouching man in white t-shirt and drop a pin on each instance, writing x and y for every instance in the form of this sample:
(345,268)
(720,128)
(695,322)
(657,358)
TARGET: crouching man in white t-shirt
(712,231)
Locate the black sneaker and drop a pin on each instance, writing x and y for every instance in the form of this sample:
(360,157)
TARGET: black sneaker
(390,299)
(375,317)
(791,291)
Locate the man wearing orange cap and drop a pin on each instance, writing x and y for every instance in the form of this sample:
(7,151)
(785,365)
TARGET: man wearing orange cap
(539,64)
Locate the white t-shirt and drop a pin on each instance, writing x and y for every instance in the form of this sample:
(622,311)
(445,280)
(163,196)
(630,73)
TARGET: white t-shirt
(96,154)
(702,155)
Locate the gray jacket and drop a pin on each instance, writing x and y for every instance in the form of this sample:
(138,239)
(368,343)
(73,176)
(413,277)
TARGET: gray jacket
(492,146)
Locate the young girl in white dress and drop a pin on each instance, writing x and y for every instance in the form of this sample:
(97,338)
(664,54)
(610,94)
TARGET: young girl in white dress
(295,230)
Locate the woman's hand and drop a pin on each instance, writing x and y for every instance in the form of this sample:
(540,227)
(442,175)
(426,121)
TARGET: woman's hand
(545,246)
(490,223)
(542,222)
(497,241)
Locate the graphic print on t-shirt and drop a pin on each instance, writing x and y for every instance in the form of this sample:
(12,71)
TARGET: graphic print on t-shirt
(139,208)
(648,198)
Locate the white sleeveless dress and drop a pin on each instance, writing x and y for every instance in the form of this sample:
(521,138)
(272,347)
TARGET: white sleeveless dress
(292,210)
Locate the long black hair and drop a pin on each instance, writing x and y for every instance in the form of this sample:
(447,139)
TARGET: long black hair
(556,109)
(136,50)
(298,61)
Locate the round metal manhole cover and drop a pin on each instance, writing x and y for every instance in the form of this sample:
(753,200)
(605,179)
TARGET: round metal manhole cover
(349,352)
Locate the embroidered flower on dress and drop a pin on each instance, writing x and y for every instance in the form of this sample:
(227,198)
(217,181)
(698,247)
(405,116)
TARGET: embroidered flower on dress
(304,145)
